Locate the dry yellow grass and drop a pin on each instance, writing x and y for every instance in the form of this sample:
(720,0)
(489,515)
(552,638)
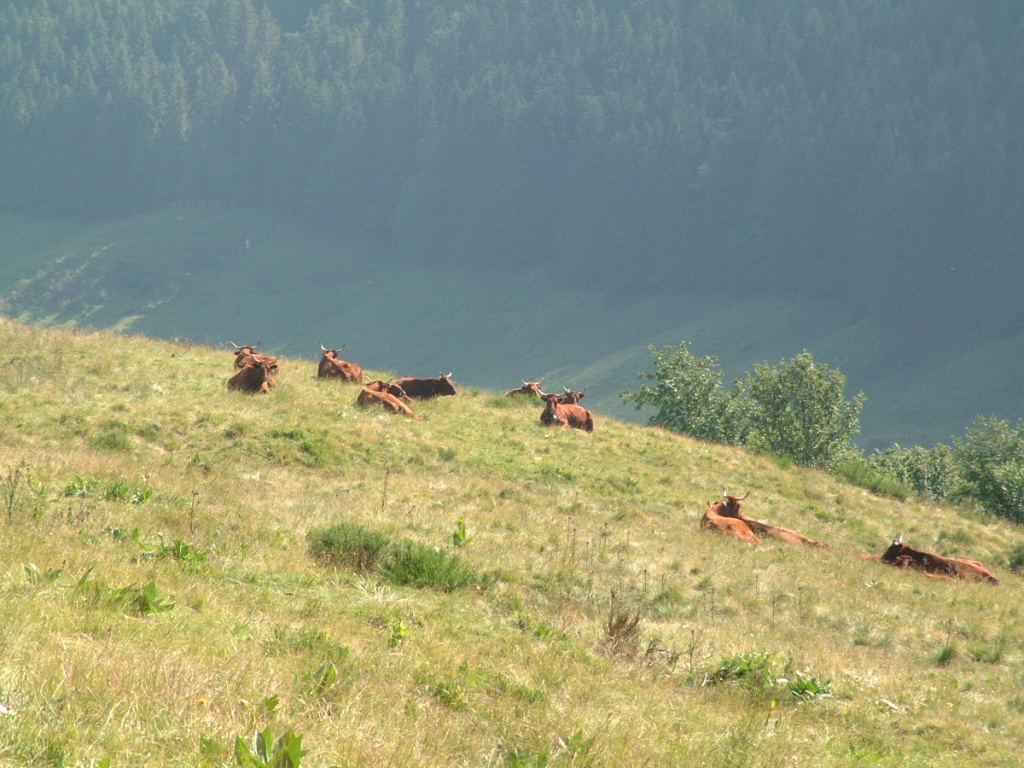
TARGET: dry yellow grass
(565,526)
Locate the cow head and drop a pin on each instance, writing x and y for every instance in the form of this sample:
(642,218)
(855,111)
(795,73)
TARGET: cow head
(331,353)
(730,505)
(445,385)
(571,396)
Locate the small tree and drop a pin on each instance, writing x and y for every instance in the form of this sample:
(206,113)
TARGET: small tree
(689,397)
(932,472)
(797,409)
(992,462)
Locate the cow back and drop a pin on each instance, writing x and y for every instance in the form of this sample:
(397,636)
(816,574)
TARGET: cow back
(730,526)
(424,389)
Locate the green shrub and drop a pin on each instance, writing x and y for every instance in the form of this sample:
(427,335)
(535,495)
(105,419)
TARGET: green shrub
(1015,562)
(349,545)
(416,565)
(857,471)
(931,472)
(796,409)
(352,546)
(689,397)
(992,461)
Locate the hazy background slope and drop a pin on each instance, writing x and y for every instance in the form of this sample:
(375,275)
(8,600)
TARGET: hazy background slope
(185,272)
(543,185)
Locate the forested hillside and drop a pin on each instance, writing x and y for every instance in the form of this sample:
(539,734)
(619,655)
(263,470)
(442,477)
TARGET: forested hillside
(868,153)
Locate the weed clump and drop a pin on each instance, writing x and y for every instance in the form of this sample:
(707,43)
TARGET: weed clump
(352,546)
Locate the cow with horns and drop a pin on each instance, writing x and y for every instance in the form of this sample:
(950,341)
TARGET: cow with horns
(379,385)
(557,413)
(571,396)
(904,556)
(253,377)
(247,354)
(370,395)
(725,517)
(424,389)
(529,388)
(333,367)
(730,508)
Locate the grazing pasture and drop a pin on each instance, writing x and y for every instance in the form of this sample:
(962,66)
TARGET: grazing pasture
(184,566)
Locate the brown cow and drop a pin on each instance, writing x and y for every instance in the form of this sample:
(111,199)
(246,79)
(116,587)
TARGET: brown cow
(333,367)
(568,397)
(731,507)
(248,351)
(904,556)
(566,415)
(423,389)
(571,396)
(528,388)
(386,400)
(379,385)
(725,517)
(253,377)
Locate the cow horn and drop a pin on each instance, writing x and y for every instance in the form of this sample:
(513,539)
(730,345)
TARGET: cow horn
(322,347)
(900,539)
(741,498)
(234,345)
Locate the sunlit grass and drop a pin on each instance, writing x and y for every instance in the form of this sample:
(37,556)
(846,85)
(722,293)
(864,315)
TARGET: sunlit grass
(131,458)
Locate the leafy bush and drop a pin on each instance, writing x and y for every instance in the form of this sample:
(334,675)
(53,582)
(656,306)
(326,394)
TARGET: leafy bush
(932,472)
(689,397)
(795,409)
(857,471)
(1015,562)
(767,673)
(756,670)
(991,459)
(285,752)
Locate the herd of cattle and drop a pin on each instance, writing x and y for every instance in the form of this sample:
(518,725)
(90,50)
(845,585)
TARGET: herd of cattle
(727,517)
(255,373)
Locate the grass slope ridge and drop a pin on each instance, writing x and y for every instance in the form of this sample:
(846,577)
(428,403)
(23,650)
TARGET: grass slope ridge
(155,553)
(214,273)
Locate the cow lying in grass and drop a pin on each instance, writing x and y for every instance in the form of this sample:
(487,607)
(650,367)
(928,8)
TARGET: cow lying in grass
(727,516)
(333,367)
(255,376)
(531,388)
(722,517)
(903,556)
(566,415)
(377,393)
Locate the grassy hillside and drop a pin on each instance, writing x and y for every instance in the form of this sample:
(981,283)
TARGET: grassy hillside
(187,272)
(164,598)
